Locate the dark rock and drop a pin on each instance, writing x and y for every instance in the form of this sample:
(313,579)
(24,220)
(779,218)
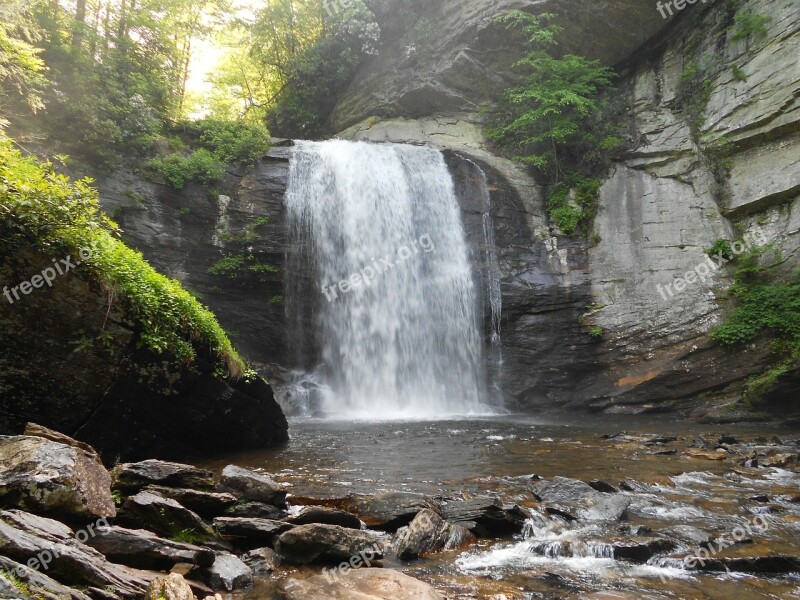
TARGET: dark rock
(775,565)
(763,498)
(257,510)
(53,478)
(228,573)
(39,584)
(205,504)
(145,550)
(162,515)
(429,533)
(327,544)
(580,500)
(727,439)
(325,516)
(388,511)
(602,486)
(250,533)
(261,561)
(641,551)
(71,562)
(132,477)
(485,516)
(35,430)
(249,485)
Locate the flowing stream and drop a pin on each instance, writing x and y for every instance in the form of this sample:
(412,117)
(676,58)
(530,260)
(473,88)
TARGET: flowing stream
(380,284)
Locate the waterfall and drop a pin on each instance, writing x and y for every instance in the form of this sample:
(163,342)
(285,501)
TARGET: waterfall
(379,283)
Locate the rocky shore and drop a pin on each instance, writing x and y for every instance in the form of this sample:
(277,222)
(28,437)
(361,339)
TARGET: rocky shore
(71,529)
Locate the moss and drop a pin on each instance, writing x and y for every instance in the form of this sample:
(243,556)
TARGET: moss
(61,217)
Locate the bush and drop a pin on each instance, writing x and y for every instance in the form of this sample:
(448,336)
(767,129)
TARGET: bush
(200,166)
(233,141)
(48,211)
(573,203)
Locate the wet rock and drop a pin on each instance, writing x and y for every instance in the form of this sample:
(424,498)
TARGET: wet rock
(251,533)
(249,485)
(727,439)
(763,498)
(326,516)
(171,587)
(776,564)
(132,477)
(52,478)
(388,511)
(145,550)
(257,510)
(69,561)
(689,535)
(602,486)
(485,516)
(261,561)
(40,586)
(205,504)
(641,551)
(228,573)
(164,516)
(718,454)
(576,498)
(364,584)
(326,544)
(429,533)
(779,460)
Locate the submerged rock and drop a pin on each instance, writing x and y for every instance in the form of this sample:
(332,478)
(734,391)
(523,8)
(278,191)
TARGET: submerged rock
(249,485)
(429,533)
(171,587)
(580,500)
(364,584)
(132,477)
(317,543)
(53,478)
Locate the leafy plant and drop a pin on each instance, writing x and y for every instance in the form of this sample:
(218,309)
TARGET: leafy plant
(179,170)
(573,203)
(747,24)
(232,141)
(596,332)
(721,247)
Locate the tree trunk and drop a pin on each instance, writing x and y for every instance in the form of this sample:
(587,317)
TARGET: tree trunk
(79,26)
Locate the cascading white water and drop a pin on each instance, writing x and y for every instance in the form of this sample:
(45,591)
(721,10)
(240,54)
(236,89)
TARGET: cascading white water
(400,339)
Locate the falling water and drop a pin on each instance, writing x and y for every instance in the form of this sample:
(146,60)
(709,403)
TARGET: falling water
(402,338)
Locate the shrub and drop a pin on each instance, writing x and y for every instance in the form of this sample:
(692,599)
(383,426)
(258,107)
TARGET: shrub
(233,141)
(200,166)
(573,203)
(749,25)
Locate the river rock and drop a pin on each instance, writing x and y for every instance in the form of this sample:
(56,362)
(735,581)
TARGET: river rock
(389,511)
(205,504)
(363,584)
(171,587)
(132,477)
(485,516)
(145,550)
(251,533)
(317,543)
(641,550)
(693,537)
(580,500)
(161,515)
(71,562)
(44,476)
(261,561)
(40,586)
(228,573)
(429,533)
(249,485)
(325,516)
(257,510)
(773,564)
(36,430)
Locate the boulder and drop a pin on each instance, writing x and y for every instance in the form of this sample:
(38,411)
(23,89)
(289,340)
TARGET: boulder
(205,504)
(35,430)
(325,516)
(641,550)
(249,485)
(171,587)
(363,584)
(145,550)
(388,511)
(228,573)
(261,561)
(251,533)
(52,478)
(40,586)
(164,516)
(132,477)
(257,510)
(582,501)
(317,543)
(485,516)
(429,533)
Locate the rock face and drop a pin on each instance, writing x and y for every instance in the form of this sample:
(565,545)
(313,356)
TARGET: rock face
(687,181)
(51,477)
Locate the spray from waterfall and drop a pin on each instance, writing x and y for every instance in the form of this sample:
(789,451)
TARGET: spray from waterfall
(379,283)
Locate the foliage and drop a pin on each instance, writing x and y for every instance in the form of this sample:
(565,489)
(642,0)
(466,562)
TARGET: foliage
(694,90)
(572,203)
(21,67)
(277,299)
(44,209)
(747,24)
(232,141)
(721,247)
(179,170)
(596,332)
(539,120)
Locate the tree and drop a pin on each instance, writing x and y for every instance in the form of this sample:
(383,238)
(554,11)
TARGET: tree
(21,67)
(539,119)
